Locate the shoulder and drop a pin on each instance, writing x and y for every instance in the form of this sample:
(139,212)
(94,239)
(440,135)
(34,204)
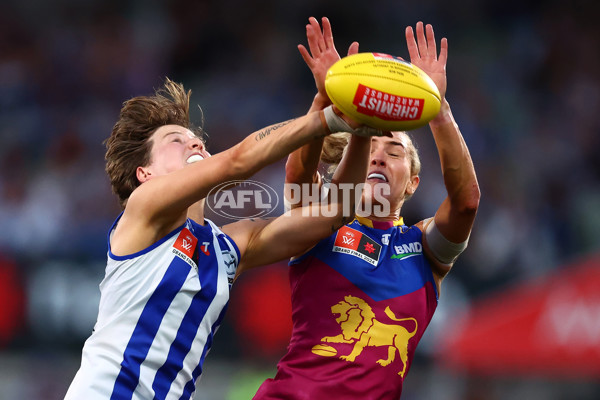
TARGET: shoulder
(421,225)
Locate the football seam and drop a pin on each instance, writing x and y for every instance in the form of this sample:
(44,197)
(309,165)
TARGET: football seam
(387,77)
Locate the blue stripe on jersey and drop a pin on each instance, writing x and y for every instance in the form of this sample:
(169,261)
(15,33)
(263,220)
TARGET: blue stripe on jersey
(391,277)
(143,251)
(208,274)
(190,386)
(145,330)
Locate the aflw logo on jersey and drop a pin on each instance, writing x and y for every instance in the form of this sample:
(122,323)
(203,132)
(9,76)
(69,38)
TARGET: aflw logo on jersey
(185,245)
(350,241)
(408,250)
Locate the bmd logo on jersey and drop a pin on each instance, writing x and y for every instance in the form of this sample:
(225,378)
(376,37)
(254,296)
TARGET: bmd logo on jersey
(350,241)
(407,250)
(242,199)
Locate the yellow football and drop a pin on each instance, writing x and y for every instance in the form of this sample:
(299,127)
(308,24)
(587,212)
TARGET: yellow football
(383,91)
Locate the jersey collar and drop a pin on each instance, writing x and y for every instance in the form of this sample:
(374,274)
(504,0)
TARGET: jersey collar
(383,225)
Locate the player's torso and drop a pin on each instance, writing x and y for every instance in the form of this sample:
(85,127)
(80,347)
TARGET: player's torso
(361,301)
(159,310)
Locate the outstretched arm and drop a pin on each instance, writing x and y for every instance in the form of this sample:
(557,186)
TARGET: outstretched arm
(301,166)
(162,199)
(455,216)
(266,241)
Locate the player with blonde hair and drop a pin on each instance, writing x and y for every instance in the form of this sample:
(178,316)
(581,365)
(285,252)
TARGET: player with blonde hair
(363,297)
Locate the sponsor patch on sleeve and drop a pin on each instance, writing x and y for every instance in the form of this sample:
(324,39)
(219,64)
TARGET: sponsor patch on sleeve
(185,245)
(350,241)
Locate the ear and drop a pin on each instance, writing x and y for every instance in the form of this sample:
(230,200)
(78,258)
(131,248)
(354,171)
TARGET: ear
(411,188)
(143,174)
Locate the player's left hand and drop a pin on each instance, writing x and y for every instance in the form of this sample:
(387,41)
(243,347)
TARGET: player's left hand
(322,54)
(423,54)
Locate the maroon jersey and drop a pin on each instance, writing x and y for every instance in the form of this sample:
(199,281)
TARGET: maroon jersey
(361,301)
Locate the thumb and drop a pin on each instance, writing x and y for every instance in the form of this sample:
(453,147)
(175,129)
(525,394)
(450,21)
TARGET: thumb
(353,49)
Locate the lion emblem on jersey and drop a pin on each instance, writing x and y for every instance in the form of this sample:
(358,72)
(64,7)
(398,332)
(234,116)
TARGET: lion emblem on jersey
(359,326)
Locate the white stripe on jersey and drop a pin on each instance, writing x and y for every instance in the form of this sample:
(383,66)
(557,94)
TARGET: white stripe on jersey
(156,318)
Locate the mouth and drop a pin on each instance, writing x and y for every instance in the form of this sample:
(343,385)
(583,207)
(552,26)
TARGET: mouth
(194,158)
(377,175)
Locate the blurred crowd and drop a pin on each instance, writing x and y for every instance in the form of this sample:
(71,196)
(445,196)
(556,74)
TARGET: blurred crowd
(523,84)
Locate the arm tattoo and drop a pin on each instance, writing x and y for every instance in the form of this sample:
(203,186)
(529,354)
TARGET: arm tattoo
(267,131)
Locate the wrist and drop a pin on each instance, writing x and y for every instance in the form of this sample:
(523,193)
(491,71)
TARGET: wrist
(320,102)
(444,116)
(324,123)
(333,121)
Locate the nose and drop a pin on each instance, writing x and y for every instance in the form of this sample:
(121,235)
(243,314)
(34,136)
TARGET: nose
(377,157)
(196,143)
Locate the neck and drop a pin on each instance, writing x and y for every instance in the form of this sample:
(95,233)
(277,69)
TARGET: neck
(375,215)
(380,224)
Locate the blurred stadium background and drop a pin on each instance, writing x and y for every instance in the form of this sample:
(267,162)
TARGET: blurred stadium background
(519,317)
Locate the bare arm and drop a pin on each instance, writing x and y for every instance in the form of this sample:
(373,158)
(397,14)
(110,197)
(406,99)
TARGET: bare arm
(455,216)
(301,166)
(164,198)
(267,241)
(160,204)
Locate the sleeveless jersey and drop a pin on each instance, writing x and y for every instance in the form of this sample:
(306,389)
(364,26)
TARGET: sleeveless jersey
(361,301)
(159,309)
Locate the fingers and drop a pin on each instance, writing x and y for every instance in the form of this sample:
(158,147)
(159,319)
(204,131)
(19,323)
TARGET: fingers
(353,49)
(306,56)
(327,33)
(443,57)
(431,41)
(316,43)
(411,44)
(422,42)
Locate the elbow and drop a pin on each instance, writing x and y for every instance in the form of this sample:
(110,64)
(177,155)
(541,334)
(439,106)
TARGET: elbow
(466,200)
(470,202)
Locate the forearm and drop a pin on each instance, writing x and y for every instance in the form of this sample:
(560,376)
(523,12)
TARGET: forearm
(457,167)
(315,221)
(354,164)
(294,232)
(273,143)
(301,165)
(350,177)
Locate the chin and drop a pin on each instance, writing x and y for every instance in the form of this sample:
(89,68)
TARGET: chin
(375,203)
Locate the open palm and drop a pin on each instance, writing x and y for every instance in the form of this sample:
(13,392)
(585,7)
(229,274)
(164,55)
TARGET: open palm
(423,54)
(323,53)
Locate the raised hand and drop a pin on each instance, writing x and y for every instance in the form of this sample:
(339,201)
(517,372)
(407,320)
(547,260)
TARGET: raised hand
(322,54)
(423,54)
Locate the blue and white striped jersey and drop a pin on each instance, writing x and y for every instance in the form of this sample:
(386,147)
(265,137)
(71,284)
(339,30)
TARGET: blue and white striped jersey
(159,309)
